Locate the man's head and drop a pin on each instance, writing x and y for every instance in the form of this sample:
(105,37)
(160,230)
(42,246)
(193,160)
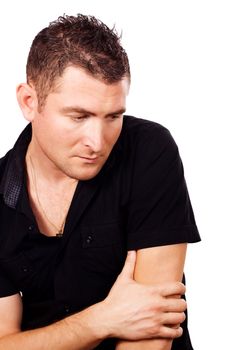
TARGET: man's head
(79,41)
(77,82)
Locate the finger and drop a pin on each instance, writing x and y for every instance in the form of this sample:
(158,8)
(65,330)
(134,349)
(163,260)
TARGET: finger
(175,305)
(128,269)
(171,333)
(175,326)
(171,288)
(174,318)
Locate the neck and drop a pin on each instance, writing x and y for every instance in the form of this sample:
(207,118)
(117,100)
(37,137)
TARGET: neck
(44,167)
(50,196)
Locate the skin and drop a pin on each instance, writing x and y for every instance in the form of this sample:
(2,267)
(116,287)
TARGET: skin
(72,137)
(131,311)
(76,130)
(155,266)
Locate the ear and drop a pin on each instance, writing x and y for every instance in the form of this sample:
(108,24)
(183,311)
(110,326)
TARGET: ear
(27,100)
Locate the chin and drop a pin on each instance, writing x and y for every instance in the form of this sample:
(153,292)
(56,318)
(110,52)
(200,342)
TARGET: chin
(85,175)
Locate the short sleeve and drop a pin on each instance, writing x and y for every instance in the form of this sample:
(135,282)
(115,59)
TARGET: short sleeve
(159,211)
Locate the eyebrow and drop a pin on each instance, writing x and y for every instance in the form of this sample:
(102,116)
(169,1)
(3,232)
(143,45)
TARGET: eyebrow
(76,109)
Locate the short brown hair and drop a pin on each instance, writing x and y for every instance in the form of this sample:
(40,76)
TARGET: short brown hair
(81,41)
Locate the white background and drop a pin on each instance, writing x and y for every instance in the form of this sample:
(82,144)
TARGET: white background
(182,77)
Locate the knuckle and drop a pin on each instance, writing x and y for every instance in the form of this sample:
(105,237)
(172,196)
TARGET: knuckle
(182,317)
(159,309)
(156,331)
(181,288)
(157,290)
(179,332)
(158,304)
(171,333)
(175,332)
(183,304)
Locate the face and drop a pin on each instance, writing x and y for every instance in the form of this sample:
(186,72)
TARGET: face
(79,123)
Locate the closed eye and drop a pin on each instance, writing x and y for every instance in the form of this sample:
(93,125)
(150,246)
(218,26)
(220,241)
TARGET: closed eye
(79,118)
(115,116)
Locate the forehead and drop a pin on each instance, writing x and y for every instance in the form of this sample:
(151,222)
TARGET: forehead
(78,78)
(76,86)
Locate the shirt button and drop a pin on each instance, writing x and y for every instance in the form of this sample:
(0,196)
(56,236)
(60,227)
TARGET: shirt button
(89,239)
(24,269)
(67,309)
(30,228)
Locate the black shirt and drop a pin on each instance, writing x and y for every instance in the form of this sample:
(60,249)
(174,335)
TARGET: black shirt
(139,199)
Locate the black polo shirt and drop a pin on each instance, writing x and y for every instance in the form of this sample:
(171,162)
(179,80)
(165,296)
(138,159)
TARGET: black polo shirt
(138,200)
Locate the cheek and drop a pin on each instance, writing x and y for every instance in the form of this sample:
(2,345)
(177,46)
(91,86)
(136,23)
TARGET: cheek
(45,127)
(62,134)
(110,140)
(52,137)
(112,134)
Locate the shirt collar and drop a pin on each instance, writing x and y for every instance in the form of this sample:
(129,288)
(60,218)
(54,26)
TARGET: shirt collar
(12,179)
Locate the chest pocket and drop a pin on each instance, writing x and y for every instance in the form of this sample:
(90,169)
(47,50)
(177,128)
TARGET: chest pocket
(101,236)
(19,271)
(103,248)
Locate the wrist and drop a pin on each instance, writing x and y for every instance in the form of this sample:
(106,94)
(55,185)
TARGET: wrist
(91,321)
(109,319)
(100,321)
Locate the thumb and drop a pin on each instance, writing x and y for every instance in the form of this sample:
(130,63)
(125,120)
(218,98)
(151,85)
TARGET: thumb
(128,269)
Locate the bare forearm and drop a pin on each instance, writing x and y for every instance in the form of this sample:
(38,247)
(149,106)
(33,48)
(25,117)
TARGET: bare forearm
(130,311)
(77,332)
(156,265)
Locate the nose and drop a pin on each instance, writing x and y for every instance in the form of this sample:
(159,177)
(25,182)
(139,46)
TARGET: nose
(94,135)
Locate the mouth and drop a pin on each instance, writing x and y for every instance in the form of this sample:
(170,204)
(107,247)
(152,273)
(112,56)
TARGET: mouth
(89,159)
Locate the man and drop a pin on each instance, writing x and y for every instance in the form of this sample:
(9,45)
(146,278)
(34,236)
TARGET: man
(82,186)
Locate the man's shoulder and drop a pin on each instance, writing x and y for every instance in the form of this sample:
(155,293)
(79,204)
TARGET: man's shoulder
(143,131)
(132,123)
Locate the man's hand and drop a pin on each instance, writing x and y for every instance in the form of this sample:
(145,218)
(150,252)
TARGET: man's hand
(135,311)
(131,311)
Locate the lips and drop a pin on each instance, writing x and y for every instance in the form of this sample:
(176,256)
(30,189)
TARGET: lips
(89,160)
